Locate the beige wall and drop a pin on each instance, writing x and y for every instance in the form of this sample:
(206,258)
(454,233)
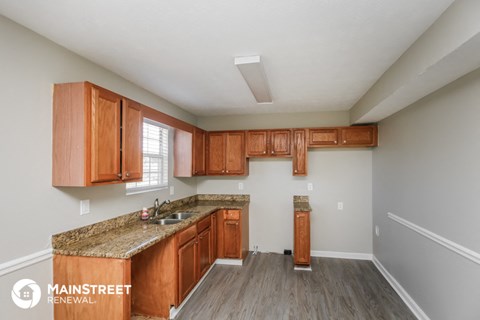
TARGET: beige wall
(276,120)
(31,209)
(337,175)
(426,171)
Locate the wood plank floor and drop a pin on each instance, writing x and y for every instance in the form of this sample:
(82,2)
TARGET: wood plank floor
(267,287)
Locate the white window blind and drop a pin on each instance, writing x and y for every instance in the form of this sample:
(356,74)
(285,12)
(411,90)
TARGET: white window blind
(155,157)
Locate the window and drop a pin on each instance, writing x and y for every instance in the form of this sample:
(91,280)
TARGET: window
(155,158)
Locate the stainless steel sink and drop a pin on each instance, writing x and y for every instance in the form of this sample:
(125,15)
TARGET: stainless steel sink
(166,221)
(181,215)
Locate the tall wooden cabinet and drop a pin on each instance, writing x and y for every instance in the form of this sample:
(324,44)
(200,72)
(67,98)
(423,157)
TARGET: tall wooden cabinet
(301,250)
(97,136)
(199,144)
(226,153)
(299,153)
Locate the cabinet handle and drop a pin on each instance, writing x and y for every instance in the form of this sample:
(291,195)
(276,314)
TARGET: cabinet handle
(127,174)
(296,170)
(119,175)
(223,171)
(227,171)
(344,141)
(335,141)
(273,152)
(264,152)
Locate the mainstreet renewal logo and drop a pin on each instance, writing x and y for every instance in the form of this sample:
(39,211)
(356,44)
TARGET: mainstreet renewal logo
(26,293)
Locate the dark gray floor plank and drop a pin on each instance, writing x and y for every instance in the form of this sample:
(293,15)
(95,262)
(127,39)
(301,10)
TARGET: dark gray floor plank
(267,287)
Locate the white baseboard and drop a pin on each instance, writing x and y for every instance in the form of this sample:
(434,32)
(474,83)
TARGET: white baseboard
(25,261)
(341,255)
(414,307)
(230,262)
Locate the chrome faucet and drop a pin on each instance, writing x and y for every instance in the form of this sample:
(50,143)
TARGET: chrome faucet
(157,207)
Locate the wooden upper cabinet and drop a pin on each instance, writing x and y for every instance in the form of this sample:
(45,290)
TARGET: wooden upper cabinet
(269,143)
(132,140)
(226,153)
(359,136)
(199,167)
(90,124)
(189,153)
(322,137)
(105,135)
(257,143)
(354,136)
(299,153)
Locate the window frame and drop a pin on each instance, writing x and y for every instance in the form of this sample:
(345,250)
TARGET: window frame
(164,157)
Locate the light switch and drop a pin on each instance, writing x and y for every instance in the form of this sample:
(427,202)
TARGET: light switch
(240,186)
(340,205)
(84,207)
(309,186)
(377,231)
(172,190)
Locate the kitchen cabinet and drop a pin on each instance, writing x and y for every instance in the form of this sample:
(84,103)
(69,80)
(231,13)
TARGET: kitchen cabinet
(68,270)
(340,137)
(204,245)
(301,250)
(359,136)
(226,153)
(213,238)
(299,153)
(232,234)
(321,137)
(269,143)
(187,261)
(199,139)
(97,136)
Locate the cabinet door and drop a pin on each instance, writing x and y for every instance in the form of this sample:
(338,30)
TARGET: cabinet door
(299,153)
(198,152)
(132,128)
(187,268)
(302,238)
(364,136)
(257,143)
(204,252)
(213,238)
(231,239)
(105,135)
(235,153)
(323,137)
(280,142)
(216,153)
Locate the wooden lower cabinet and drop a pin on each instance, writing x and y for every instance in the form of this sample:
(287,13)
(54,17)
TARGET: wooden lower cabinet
(232,234)
(154,279)
(187,268)
(301,248)
(204,252)
(72,270)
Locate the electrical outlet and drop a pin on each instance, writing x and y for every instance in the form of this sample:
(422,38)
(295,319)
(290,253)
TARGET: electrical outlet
(377,231)
(84,207)
(172,190)
(339,205)
(309,186)
(240,186)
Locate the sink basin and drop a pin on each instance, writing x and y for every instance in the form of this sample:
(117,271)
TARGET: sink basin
(166,221)
(181,215)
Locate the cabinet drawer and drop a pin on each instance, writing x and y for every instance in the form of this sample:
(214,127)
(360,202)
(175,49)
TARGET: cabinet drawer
(231,215)
(203,224)
(185,235)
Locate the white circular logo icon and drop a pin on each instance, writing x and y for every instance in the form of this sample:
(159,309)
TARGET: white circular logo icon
(26,293)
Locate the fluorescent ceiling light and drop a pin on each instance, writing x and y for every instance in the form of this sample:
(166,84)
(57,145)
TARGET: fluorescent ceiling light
(252,71)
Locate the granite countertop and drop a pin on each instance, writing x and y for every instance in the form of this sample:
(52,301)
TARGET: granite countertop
(301,203)
(127,235)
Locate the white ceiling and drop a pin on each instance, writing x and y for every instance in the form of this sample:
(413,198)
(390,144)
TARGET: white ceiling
(318,55)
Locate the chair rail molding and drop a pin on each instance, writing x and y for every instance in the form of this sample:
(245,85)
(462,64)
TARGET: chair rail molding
(25,261)
(453,246)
